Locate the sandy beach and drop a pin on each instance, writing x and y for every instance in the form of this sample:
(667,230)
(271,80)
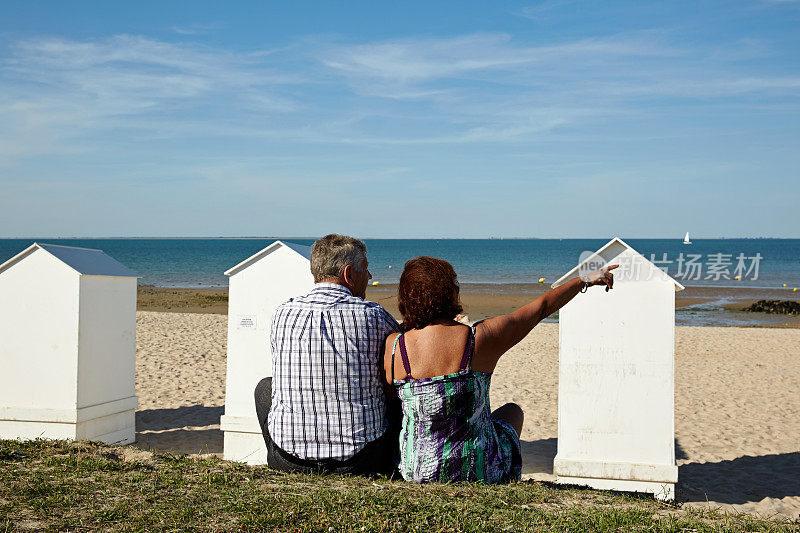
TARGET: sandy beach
(737,406)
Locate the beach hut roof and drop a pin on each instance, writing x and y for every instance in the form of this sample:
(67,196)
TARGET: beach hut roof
(299,249)
(608,252)
(84,261)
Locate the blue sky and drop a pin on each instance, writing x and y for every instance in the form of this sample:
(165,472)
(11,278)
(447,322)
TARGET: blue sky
(434,119)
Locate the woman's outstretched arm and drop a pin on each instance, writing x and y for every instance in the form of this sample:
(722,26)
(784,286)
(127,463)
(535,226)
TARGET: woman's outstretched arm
(497,335)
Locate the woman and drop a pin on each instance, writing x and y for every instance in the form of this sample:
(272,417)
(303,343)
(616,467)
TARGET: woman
(442,371)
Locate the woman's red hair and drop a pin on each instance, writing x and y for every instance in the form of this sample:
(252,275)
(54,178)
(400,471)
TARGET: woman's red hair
(428,291)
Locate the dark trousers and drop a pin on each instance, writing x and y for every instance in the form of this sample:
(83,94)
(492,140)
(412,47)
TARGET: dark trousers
(378,457)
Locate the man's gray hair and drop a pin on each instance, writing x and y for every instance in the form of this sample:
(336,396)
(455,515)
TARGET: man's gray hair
(331,253)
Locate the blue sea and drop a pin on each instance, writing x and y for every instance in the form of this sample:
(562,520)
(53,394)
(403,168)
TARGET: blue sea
(201,262)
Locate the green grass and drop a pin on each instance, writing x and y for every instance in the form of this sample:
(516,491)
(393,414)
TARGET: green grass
(59,485)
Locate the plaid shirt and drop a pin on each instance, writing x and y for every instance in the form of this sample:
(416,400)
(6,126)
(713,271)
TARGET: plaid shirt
(327,398)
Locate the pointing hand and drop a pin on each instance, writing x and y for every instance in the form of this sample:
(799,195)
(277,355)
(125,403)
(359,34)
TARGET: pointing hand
(600,277)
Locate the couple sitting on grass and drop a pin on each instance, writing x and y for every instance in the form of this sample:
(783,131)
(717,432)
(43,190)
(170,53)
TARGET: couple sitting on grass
(342,364)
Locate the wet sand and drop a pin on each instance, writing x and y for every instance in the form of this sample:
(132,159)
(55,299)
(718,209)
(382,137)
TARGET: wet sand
(171,300)
(736,398)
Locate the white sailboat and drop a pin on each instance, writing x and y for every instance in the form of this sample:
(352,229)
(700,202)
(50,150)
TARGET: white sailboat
(686,239)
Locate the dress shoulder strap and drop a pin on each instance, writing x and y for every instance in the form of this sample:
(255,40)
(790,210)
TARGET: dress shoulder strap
(469,350)
(394,347)
(404,356)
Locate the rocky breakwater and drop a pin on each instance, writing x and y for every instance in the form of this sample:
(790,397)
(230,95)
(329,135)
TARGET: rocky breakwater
(775,307)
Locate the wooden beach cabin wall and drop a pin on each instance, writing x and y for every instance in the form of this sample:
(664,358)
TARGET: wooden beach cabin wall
(616,379)
(257,286)
(68,348)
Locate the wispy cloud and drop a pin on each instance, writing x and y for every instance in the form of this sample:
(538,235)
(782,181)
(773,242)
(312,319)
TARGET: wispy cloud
(138,69)
(491,88)
(639,63)
(56,92)
(414,60)
(62,96)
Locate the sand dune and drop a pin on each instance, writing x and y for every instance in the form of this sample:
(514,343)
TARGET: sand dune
(736,399)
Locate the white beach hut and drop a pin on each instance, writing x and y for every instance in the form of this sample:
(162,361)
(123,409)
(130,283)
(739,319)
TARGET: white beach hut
(67,346)
(257,286)
(616,414)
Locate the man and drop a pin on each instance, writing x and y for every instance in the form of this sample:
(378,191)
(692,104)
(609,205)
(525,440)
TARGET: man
(326,410)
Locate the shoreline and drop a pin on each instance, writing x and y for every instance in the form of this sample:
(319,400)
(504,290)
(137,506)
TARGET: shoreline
(701,306)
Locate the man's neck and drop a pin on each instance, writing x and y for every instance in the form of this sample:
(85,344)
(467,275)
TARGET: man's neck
(335,281)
